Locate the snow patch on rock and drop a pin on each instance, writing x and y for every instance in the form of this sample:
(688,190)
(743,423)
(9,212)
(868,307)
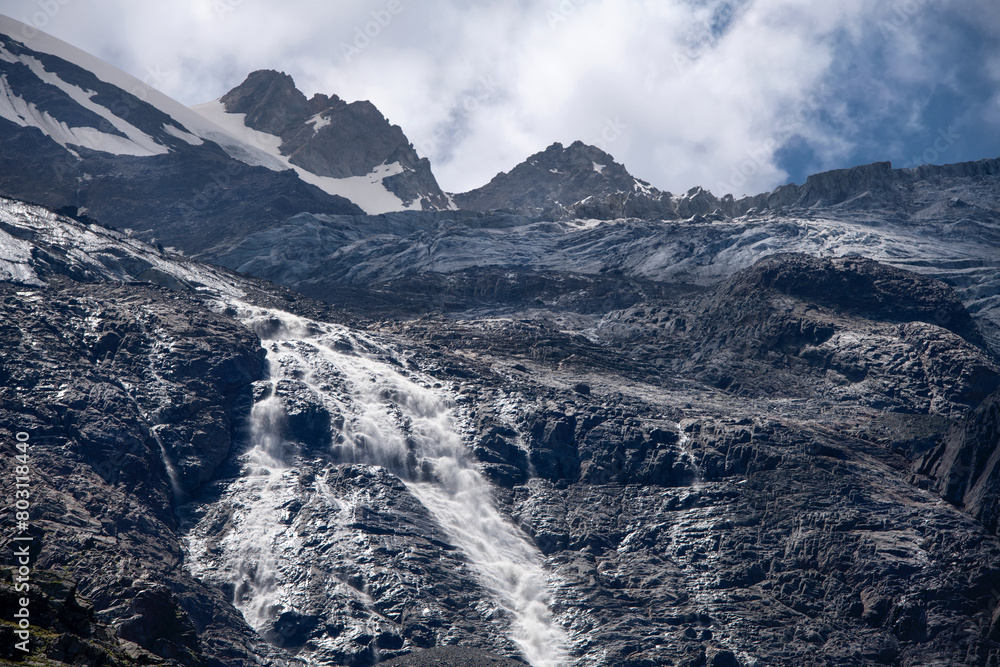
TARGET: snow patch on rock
(367,191)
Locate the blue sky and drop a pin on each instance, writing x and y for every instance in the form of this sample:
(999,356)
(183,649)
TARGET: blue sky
(921,86)
(733,95)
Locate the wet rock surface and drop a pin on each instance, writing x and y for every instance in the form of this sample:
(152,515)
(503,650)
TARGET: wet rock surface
(445,657)
(368,579)
(131,395)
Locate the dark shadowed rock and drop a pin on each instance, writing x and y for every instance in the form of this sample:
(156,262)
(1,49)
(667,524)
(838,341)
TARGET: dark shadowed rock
(965,467)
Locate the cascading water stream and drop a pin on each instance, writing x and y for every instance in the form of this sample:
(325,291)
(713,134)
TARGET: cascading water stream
(390,421)
(431,459)
(258,569)
(253,548)
(684,443)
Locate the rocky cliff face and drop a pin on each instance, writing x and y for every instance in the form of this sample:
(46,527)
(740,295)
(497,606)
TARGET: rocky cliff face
(582,181)
(132,396)
(881,336)
(963,468)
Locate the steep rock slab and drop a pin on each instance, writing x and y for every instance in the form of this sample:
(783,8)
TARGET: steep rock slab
(845,329)
(965,467)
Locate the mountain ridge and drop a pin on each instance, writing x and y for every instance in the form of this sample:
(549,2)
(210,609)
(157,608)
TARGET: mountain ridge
(396,166)
(577,179)
(626,196)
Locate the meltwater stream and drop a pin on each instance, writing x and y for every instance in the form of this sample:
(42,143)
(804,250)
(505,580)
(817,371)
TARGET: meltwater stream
(390,421)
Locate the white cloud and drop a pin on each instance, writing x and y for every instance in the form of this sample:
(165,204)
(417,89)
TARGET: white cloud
(700,92)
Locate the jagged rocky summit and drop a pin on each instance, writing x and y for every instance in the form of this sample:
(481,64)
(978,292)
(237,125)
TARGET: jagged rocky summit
(577,180)
(329,137)
(81,133)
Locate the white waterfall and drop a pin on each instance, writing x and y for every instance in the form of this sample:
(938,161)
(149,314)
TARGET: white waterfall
(396,422)
(457,496)
(684,443)
(255,547)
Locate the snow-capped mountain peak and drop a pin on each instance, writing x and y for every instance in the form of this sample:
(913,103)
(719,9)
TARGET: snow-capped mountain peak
(346,149)
(83,120)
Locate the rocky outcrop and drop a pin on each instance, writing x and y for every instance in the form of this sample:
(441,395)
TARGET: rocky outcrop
(832,329)
(66,629)
(855,286)
(566,182)
(330,137)
(830,188)
(875,186)
(452,657)
(573,181)
(965,467)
